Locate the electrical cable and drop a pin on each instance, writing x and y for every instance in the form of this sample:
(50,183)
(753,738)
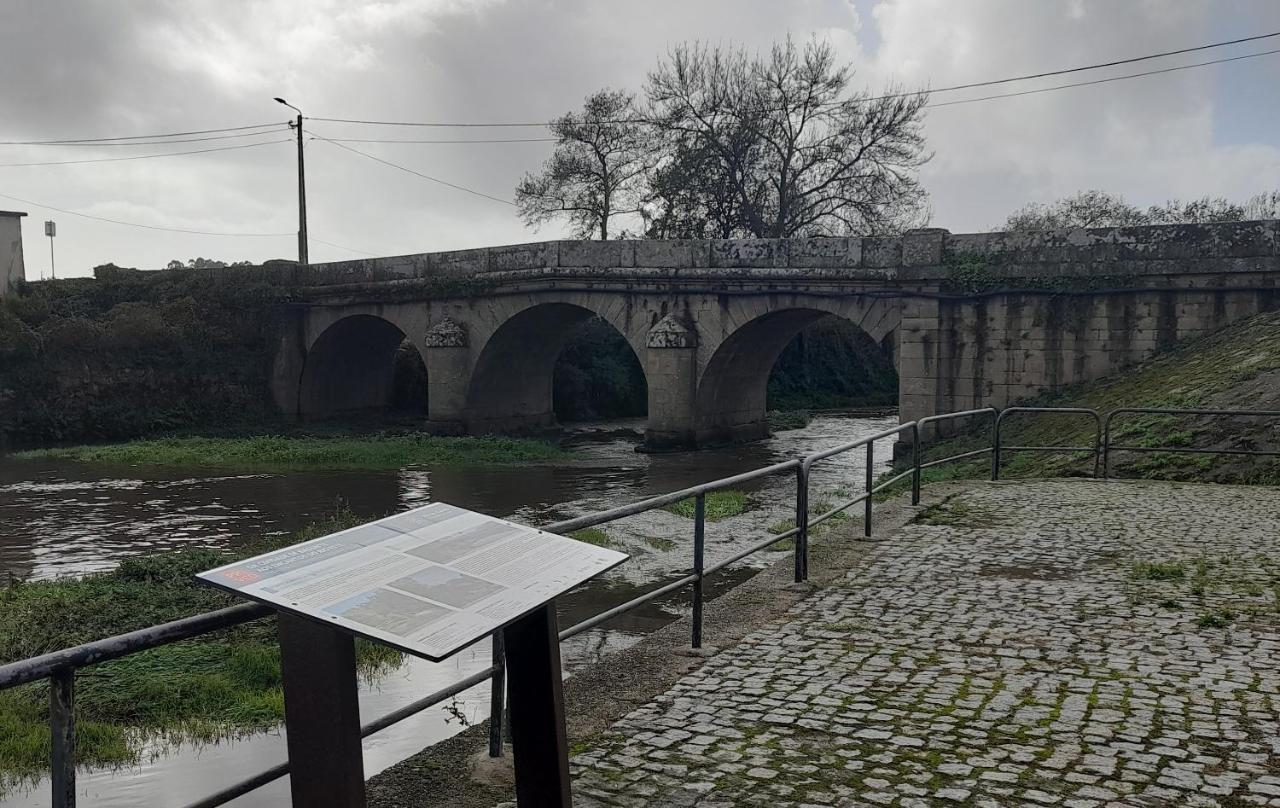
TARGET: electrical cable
(83,140)
(499,140)
(890,96)
(136,224)
(415,173)
(92,145)
(1103,81)
(339,246)
(146,156)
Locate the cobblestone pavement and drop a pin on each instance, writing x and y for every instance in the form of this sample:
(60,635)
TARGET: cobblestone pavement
(1070,642)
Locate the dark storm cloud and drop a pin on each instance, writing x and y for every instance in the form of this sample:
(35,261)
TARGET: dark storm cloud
(107,68)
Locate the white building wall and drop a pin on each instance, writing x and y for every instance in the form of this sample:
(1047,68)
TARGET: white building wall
(12,269)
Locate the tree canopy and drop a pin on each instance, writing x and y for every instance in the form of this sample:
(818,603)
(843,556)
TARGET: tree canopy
(729,144)
(1101,209)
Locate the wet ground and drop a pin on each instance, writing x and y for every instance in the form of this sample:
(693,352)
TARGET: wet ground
(59,518)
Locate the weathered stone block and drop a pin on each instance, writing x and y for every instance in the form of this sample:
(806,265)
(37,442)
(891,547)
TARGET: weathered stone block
(597,254)
(881,252)
(458,262)
(819,252)
(523,256)
(677,254)
(757,252)
(923,247)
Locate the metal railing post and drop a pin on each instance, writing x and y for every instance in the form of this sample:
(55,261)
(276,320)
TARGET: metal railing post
(915,462)
(62,732)
(497,694)
(995,448)
(871,461)
(699,540)
(802,523)
(1106,447)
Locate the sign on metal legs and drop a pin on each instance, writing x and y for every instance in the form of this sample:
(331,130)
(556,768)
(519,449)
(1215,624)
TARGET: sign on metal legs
(429,582)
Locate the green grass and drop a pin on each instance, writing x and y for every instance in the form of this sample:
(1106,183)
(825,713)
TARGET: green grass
(817,509)
(302,453)
(661,544)
(782,420)
(1159,570)
(1216,618)
(593,535)
(719,505)
(216,686)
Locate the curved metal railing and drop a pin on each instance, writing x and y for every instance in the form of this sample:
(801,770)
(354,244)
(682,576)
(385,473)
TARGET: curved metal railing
(59,667)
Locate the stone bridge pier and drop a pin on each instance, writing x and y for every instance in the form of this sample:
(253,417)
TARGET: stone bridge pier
(970,320)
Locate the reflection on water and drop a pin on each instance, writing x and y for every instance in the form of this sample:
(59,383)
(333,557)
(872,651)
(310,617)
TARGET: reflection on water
(59,518)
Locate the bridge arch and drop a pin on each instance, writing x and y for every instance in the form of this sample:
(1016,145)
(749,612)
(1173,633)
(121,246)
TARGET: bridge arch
(730,402)
(511,385)
(351,366)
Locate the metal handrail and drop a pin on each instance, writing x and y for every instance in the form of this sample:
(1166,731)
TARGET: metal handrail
(1096,449)
(60,666)
(1108,448)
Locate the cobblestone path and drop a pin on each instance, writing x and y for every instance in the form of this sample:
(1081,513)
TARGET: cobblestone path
(1072,642)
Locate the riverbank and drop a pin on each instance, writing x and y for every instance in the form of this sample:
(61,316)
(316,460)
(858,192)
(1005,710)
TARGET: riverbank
(218,686)
(300,453)
(63,518)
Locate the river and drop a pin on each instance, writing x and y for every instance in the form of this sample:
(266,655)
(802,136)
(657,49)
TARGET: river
(60,518)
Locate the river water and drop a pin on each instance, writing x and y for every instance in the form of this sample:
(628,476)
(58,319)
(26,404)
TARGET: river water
(59,518)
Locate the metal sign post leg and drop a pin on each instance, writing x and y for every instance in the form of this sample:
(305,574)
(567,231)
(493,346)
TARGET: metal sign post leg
(536,707)
(322,714)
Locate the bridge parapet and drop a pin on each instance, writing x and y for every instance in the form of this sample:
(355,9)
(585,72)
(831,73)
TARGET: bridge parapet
(917,255)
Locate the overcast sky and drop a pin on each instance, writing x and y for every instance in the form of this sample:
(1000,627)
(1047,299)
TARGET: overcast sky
(107,69)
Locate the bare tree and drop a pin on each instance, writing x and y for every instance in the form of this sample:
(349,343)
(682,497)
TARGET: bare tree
(796,155)
(596,172)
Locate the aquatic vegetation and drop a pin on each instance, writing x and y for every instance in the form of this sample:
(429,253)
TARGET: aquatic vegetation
(221,685)
(277,452)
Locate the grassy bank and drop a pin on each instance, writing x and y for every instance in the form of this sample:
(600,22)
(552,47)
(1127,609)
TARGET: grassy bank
(288,453)
(217,686)
(718,505)
(1237,367)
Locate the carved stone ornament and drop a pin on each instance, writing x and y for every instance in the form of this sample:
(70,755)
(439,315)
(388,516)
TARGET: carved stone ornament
(672,332)
(447,333)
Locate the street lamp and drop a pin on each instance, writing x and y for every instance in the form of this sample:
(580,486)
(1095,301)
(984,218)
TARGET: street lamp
(302,187)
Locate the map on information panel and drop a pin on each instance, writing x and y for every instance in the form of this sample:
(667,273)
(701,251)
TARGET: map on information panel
(430,581)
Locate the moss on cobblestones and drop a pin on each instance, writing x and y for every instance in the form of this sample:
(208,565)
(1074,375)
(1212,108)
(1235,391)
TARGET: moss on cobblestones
(922,680)
(1159,570)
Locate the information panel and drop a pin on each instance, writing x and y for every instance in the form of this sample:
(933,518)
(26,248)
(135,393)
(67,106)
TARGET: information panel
(430,581)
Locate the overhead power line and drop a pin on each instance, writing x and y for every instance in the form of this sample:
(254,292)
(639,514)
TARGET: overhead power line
(393,140)
(1104,80)
(147,156)
(415,173)
(98,145)
(339,246)
(1100,65)
(135,137)
(951,88)
(138,224)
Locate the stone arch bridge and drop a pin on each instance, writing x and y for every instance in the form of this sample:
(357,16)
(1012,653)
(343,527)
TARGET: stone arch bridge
(971,320)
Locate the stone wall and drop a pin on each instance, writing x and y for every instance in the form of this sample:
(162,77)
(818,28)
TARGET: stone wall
(924,255)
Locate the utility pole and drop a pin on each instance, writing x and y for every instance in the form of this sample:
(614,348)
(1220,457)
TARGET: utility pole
(51,230)
(302,187)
